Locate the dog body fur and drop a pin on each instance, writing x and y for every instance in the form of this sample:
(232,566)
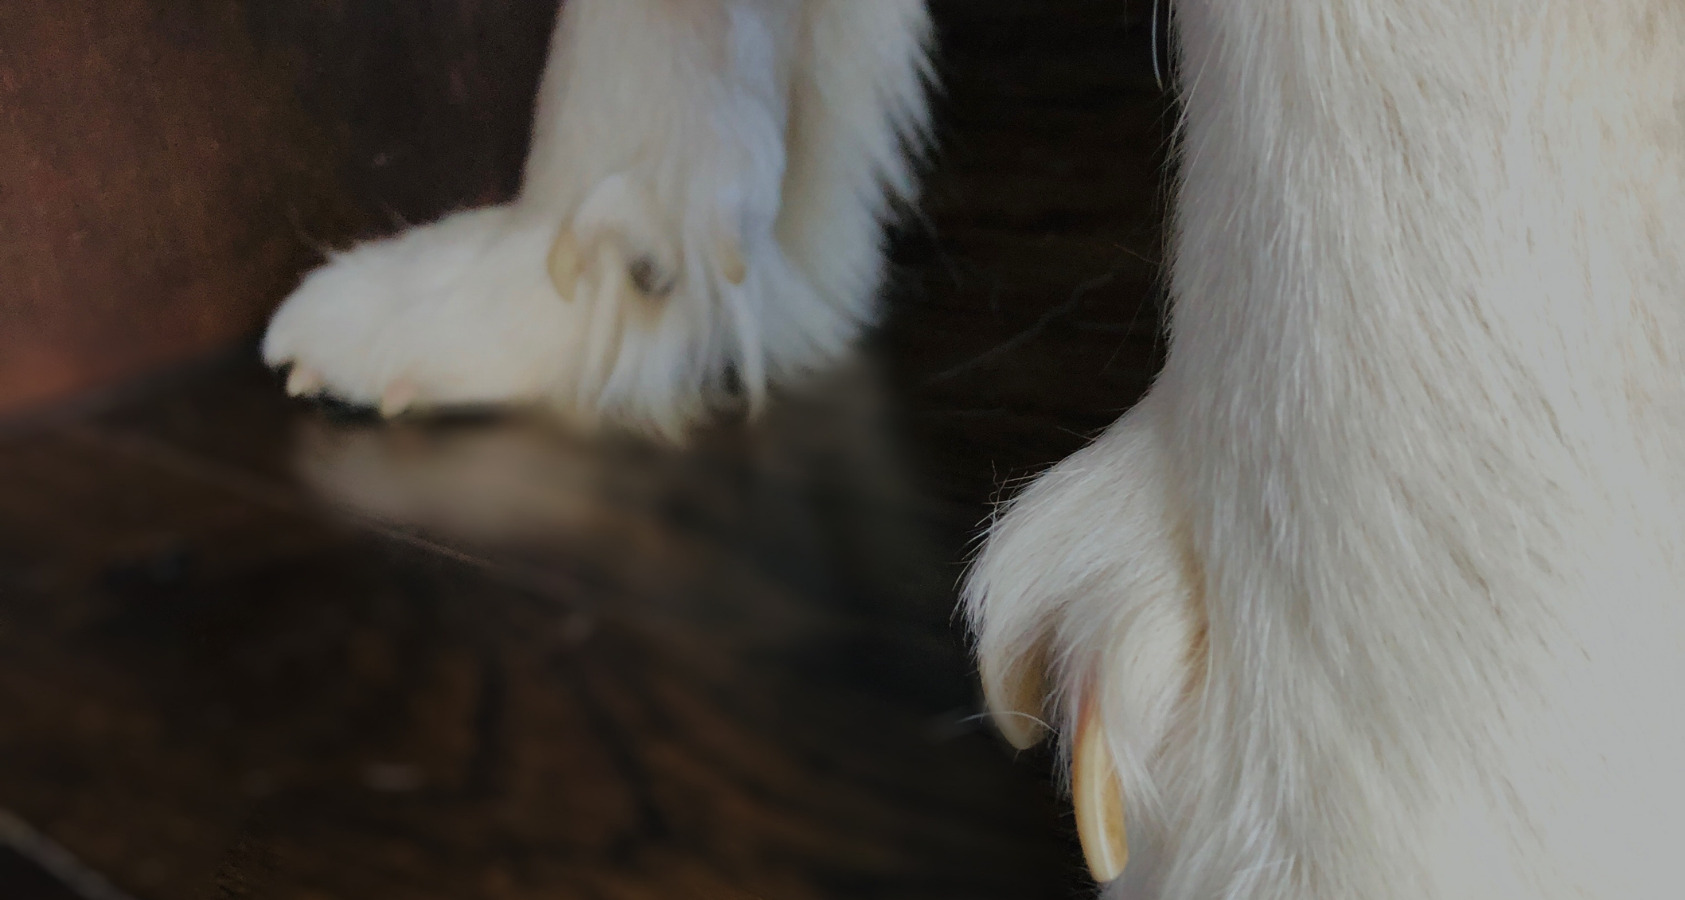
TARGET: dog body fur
(1376,594)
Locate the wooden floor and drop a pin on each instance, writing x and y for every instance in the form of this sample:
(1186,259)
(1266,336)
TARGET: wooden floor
(252,648)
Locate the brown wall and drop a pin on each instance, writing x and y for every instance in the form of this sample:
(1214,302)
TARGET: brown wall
(167,167)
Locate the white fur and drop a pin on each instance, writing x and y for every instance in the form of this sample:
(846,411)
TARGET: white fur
(1379,591)
(665,129)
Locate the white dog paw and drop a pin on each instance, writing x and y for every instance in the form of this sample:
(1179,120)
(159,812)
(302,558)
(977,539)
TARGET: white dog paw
(626,312)
(652,301)
(456,312)
(654,267)
(1087,625)
(669,253)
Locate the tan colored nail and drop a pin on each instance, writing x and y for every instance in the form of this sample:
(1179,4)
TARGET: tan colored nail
(400,395)
(303,381)
(564,263)
(1099,801)
(732,264)
(1016,700)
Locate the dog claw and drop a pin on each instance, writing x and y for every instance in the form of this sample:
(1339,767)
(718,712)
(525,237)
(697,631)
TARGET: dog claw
(732,265)
(303,381)
(1099,801)
(564,262)
(398,398)
(1016,700)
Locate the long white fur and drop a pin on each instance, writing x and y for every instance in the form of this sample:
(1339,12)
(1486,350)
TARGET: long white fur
(665,129)
(1379,591)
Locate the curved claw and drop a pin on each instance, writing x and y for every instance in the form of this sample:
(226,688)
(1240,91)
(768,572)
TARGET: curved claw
(732,265)
(398,398)
(564,262)
(1099,801)
(1015,696)
(304,381)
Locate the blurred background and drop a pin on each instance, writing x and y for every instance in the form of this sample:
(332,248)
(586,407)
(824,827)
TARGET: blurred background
(258,648)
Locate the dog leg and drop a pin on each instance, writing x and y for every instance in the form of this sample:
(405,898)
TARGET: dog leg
(653,257)
(1378,594)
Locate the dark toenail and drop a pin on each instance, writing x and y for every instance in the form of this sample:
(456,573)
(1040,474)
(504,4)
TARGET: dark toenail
(648,277)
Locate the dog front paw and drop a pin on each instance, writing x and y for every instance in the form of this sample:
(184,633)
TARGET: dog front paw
(1087,625)
(456,312)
